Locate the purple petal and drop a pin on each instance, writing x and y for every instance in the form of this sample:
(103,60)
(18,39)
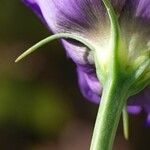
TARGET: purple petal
(147,121)
(141,99)
(134,109)
(34,7)
(143,9)
(89,84)
(136,8)
(86,18)
(71,15)
(79,54)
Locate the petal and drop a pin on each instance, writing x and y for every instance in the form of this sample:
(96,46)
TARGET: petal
(136,12)
(142,99)
(143,9)
(86,18)
(136,8)
(79,54)
(147,121)
(71,15)
(89,85)
(134,109)
(34,7)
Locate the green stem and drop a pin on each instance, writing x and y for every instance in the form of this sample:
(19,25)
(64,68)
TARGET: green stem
(113,100)
(114,92)
(125,117)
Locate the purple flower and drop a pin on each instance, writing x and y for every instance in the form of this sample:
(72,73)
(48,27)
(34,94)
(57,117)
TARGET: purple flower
(89,19)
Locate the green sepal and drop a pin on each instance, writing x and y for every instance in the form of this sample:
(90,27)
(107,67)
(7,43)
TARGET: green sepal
(78,38)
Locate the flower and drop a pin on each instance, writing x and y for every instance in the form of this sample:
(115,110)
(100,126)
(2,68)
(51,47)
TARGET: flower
(89,19)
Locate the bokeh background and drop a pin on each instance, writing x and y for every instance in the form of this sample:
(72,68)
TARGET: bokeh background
(41,107)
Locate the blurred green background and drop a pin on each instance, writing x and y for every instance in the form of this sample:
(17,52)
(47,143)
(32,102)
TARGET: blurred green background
(41,107)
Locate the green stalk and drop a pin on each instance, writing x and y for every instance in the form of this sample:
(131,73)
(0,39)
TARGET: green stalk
(115,92)
(125,117)
(113,100)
